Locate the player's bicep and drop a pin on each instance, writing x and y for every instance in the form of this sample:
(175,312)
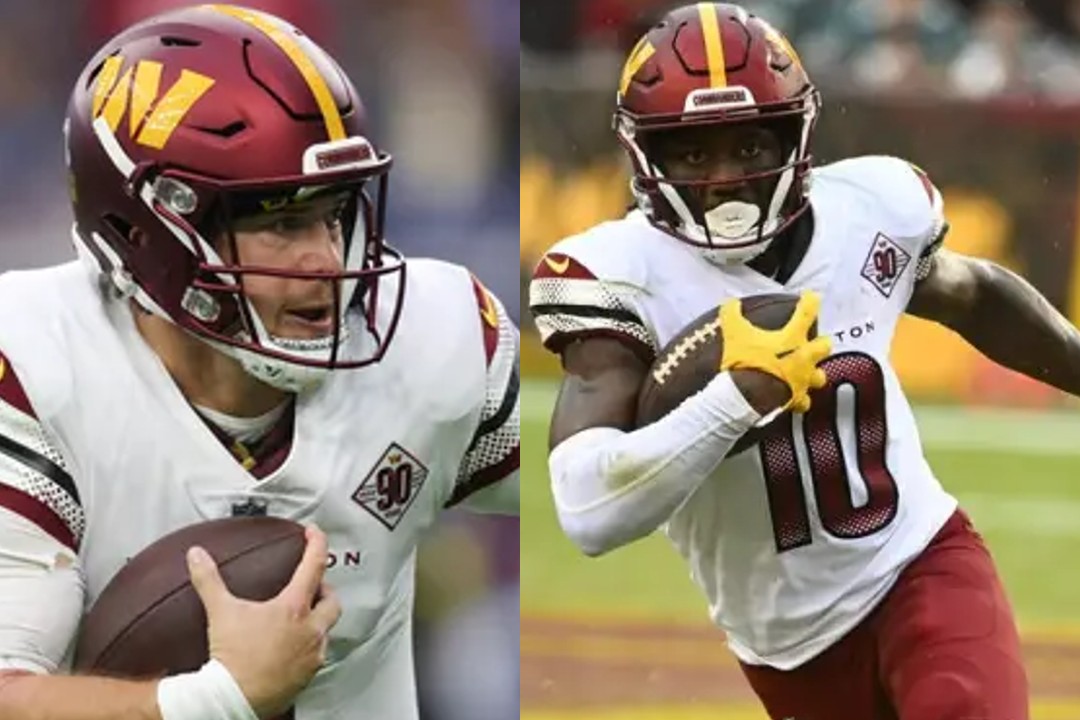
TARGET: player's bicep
(41,597)
(603,376)
(596,327)
(947,290)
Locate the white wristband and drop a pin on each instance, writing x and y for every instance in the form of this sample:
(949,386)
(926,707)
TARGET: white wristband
(209,694)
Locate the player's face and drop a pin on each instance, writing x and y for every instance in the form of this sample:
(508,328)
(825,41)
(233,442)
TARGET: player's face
(306,237)
(718,154)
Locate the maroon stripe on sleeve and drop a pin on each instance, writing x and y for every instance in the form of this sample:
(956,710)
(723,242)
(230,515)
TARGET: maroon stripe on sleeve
(38,513)
(489,319)
(11,390)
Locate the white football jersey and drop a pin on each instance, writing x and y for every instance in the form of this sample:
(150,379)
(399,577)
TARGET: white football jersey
(796,540)
(99,448)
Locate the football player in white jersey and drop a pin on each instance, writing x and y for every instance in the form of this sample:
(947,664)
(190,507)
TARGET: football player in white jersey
(848,583)
(237,338)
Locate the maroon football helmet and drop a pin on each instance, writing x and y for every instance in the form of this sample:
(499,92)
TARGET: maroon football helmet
(195,117)
(713,64)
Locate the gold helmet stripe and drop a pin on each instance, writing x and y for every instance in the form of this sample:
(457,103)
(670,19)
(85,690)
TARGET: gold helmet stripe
(714,44)
(285,40)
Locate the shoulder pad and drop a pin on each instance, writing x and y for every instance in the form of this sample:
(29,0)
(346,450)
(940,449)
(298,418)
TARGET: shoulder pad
(591,284)
(901,194)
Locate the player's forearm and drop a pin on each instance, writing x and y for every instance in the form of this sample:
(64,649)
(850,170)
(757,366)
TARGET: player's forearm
(1015,326)
(62,697)
(613,487)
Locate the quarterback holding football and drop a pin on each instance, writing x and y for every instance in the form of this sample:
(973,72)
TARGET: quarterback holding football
(846,579)
(237,338)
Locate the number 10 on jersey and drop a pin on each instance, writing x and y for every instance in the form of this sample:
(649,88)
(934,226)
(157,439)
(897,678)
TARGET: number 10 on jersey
(827,464)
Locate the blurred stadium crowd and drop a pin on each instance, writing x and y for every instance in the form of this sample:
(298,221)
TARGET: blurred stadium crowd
(439,78)
(928,48)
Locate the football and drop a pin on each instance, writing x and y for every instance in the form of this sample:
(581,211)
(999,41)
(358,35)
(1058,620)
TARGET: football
(686,364)
(149,621)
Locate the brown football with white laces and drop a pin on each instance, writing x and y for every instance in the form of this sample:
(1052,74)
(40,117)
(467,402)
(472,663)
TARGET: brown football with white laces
(692,358)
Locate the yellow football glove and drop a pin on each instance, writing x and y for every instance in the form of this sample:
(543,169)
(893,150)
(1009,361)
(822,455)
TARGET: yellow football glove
(786,354)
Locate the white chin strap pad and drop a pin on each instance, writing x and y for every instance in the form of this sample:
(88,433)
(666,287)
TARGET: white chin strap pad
(732,221)
(282,375)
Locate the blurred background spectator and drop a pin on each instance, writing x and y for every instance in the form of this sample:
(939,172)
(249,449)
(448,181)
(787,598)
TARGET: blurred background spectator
(984,94)
(974,48)
(439,78)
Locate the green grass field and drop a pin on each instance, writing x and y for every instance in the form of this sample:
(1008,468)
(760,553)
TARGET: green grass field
(1017,474)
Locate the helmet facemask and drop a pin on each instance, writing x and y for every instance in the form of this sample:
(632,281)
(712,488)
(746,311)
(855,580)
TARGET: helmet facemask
(765,201)
(354,329)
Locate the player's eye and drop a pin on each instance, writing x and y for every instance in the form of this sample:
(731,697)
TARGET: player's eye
(695,157)
(288,224)
(333,217)
(293,223)
(750,150)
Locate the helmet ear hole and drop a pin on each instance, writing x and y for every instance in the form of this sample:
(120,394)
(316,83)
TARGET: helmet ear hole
(121,228)
(137,238)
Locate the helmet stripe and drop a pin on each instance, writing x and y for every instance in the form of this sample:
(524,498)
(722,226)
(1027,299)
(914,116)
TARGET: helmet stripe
(714,44)
(335,129)
(641,52)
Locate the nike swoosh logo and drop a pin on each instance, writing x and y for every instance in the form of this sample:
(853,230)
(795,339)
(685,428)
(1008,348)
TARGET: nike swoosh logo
(488,312)
(557,267)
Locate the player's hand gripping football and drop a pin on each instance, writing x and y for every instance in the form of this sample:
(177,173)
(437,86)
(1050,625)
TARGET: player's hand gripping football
(272,648)
(786,355)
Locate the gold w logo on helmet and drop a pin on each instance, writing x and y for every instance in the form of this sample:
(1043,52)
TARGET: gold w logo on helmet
(137,90)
